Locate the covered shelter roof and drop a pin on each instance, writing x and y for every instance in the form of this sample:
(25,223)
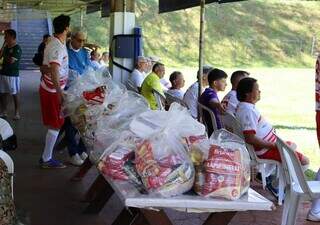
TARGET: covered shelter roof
(8,8)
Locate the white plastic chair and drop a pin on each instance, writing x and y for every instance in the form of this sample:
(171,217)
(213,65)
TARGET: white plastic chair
(9,164)
(230,123)
(171,99)
(297,188)
(131,87)
(160,99)
(202,109)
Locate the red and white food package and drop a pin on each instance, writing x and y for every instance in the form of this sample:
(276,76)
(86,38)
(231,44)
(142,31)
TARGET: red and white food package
(113,159)
(226,166)
(161,160)
(112,165)
(96,96)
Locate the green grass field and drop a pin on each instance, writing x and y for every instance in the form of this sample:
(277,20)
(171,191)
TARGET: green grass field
(287,101)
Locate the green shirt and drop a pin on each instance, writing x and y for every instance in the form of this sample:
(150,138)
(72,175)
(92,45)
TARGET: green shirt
(11,69)
(152,81)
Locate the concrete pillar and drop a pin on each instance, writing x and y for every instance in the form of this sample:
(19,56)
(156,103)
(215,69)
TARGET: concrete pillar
(122,21)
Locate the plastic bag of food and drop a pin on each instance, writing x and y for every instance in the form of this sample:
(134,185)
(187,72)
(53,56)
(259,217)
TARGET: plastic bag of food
(222,166)
(161,159)
(114,158)
(110,126)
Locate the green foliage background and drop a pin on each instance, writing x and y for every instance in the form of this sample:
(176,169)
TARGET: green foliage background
(252,33)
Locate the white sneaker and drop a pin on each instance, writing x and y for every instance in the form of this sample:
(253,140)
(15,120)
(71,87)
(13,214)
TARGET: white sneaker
(315,217)
(76,160)
(84,156)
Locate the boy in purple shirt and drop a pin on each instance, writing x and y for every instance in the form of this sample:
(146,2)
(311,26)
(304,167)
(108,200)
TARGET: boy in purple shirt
(217,82)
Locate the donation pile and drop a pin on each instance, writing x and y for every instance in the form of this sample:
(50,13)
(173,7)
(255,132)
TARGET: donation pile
(163,153)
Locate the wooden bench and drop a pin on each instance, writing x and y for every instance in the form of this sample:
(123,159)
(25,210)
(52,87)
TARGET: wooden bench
(148,209)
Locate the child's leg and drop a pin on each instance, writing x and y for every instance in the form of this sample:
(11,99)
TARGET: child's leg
(318,126)
(16,105)
(316,203)
(3,101)
(51,138)
(274,154)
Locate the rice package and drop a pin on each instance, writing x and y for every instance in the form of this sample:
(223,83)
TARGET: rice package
(222,166)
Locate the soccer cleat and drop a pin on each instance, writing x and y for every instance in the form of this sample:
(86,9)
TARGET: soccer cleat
(51,164)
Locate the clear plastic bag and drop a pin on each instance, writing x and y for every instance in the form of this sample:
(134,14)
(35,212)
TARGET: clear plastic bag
(222,166)
(88,98)
(161,159)
(113,123)
(117,161)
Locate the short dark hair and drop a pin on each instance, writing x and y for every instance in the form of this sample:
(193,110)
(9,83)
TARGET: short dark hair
(245,86)
(60,23)
(46,36)
(239,73)
(156,66)
(174,76)
(12,33)
(216,74)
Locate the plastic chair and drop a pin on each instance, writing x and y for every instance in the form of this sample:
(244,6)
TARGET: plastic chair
(230,123)
(160,99)
(131,87)
(170,99)
(297,188)
(9,164)
(202,109)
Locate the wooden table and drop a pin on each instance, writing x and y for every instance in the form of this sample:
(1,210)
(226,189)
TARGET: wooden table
(148,209)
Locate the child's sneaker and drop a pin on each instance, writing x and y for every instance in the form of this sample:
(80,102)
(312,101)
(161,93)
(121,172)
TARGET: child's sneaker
(76,160)
(51,164)
(84,156)
(315,217)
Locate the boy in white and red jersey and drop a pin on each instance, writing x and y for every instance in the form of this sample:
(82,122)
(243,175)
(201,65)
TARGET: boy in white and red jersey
(314,213)
(51,88)
(257,131)
(230,101)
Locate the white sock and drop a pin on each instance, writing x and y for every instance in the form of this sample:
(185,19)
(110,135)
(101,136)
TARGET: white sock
(51,138)
(316,203)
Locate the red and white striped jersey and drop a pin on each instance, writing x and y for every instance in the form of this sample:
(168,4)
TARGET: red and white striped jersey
(252,122)
(317,84)
(55,53)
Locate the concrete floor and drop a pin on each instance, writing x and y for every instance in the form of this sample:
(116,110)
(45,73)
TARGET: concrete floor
(50,198)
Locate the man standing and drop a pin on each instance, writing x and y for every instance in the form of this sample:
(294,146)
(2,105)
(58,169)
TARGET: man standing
(78,61)
(152,82)
(51,88)
(9,76)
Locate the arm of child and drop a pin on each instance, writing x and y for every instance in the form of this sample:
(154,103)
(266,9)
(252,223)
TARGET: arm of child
(55,77)
(252,139)
(214,103)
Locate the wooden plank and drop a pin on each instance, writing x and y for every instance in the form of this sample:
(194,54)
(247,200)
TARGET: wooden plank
(99,194)
(219,218)
(94,189)
(130,216)
(156,217)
